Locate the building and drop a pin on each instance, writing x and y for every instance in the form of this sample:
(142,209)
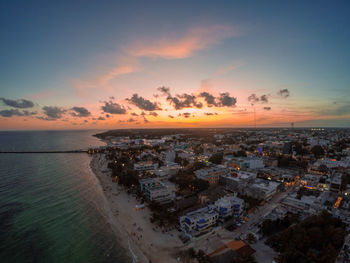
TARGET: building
(229,205)
(287,148)
(332,163)
(159,191)
(231,251)
(212,174)
(336,182)
(168,156)
(344,254)
(244,162)
(261,189)
(198,221)
(168,169)
(306,205)
(312,181)
(237,180)
(145,166)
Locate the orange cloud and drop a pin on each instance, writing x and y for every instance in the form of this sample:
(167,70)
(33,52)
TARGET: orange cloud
(195,39)
(117,71)
(228,68)
(175,47)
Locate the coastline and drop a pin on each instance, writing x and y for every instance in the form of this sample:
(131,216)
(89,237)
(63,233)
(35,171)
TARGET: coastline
(145,242)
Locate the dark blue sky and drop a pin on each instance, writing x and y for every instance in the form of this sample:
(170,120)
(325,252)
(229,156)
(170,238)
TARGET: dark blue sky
(47,47)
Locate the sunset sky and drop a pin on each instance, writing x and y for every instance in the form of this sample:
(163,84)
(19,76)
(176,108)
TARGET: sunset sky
(143,64)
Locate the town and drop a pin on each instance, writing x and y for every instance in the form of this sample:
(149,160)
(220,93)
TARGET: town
(240,195)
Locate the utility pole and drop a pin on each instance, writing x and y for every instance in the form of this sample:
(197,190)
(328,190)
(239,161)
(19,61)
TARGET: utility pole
(256,137)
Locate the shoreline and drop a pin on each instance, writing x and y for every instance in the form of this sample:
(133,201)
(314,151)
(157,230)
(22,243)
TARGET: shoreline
(145,242)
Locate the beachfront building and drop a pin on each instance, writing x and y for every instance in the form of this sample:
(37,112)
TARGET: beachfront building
(212,174)
(229,205)
(162,192)
(196,222)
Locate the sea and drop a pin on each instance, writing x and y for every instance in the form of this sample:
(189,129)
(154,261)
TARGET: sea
(50,203)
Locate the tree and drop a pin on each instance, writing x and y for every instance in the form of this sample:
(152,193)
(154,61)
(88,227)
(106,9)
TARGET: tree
(323,168)
(251,238)
(200,185)
(297,147)
(345,180)
(267,227)
(197,166)
(216,158)
(248,259)
(318,239)
(202,257)
(191,252)
(317,151)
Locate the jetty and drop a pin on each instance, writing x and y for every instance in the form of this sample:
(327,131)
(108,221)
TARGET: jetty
(24,152)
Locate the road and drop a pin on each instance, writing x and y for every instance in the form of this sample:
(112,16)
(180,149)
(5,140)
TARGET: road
(259,213)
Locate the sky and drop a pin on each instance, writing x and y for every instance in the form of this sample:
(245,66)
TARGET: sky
(163,64)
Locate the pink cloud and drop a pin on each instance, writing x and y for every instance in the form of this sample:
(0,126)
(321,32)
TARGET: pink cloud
(228,68)
(41,95)
(168,47)
(115,72)
(195,39)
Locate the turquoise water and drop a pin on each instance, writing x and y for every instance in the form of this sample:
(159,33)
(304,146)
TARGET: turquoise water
(50,203)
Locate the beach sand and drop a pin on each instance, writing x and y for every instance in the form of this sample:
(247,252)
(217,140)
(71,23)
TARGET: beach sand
(145,242)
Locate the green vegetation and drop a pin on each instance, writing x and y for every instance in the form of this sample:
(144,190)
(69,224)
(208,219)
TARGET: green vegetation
(305,191)
(186,181)
(250,202)
(270,227)
(161,215)
(250,238)
(345,180)
(216,158)
(318,151)
(284,161)
(199,256)
(316,239)
(249,259)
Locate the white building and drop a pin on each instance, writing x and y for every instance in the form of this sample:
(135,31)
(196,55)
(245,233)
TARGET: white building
(306,204)
(145,166)
(244,162)
(261,189)
(154,142)
(236,181)
(336,182)
(168,156)
(168,169)
(158,191)
(199,220)
(212,174)
(229,205)
(332,163)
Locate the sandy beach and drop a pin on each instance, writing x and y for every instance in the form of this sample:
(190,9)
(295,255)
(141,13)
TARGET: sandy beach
(145,242)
